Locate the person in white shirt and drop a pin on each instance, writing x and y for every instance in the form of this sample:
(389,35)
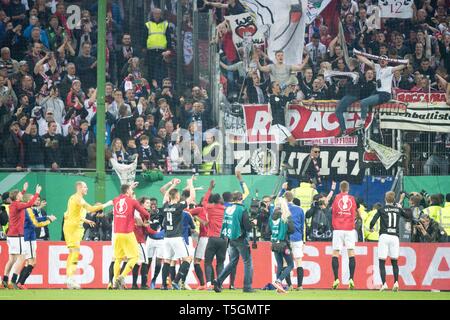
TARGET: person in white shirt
(383,93)
(316,51)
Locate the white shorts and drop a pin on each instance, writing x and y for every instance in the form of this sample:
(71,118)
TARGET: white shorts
(175,248)
(297,249)
(190,247)
(142,248)
(201,248)
(16,245)
(30,249)
(388,246)
(280,132)
(343,238)
(155,247)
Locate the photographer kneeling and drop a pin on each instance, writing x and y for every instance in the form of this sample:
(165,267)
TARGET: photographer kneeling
(427,230)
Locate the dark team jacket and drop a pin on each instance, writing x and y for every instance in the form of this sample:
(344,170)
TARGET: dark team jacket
(173,219)
(390,218)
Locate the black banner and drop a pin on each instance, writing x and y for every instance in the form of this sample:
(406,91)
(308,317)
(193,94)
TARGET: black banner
(336,163)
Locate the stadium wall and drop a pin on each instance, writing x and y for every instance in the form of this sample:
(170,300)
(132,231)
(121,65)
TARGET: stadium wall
(422,266)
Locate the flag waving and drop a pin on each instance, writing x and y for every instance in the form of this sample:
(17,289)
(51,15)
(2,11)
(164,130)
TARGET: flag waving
(285,22)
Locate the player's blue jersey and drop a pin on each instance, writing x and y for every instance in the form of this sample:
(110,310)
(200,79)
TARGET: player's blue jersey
(298,217)
(188,225)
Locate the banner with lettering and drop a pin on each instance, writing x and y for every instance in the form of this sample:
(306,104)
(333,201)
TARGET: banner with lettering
(335,163)
(309,121)
(423,266)
(243,26)
(400,9)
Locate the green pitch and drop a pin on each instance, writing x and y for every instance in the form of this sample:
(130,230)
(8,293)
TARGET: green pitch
(87,294)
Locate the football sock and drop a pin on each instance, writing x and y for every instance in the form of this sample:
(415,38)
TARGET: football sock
(123,265)
(24,276)
(144,274)
(199,273)
(72,261)
(157,269)
(395,269)
(5,278)
(116,269)
(135,274)
(129,266)
(14,278)
(182,271)
(172,273)
(165,273)
(335,265)
(299,276)
(111,272)
(382,270)
(351,265)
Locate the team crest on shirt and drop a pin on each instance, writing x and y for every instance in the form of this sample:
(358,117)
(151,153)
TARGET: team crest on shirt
(121,206)
(345,204)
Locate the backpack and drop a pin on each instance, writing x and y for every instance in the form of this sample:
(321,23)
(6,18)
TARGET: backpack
(320,226)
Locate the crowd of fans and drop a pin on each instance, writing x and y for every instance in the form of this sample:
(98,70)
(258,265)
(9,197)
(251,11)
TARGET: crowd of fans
(48,79)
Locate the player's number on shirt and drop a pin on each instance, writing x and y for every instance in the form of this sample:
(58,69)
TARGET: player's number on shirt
(392,220)
(169,217)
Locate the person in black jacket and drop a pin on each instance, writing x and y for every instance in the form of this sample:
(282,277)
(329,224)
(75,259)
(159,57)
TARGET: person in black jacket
(369,84)
(87,67)
(42,233)
(53,146)
(34,147)
(352,90)
(256,91)
(13,147)
(85,137)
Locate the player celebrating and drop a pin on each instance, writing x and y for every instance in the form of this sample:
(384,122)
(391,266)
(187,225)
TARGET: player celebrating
(389,243)
(31,223)
(174,246)
(155,246)
(125,244)
(16,243)
(73,230)
(343,220)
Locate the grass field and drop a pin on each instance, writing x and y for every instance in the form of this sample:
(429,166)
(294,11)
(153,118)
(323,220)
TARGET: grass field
(225,295)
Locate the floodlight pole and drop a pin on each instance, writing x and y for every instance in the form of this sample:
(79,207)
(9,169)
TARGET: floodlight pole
(100,192)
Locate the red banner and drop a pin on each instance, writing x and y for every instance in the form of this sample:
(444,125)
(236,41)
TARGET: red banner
(304,122)
(423,266)
(411,96)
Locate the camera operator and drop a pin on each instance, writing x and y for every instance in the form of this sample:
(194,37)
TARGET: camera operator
(427,230)
(319,227)
(265,208)
(236,226)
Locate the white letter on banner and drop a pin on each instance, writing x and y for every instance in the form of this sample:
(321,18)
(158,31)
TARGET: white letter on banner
(327,125)
(262,119)
(55,264)
(325,168)
(313,267)
(106,260)
(433,271)
(407,269)
(294,118)
(314,122)
(73,17)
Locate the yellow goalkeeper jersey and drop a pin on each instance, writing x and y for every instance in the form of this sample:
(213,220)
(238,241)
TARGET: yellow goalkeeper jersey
(77,208)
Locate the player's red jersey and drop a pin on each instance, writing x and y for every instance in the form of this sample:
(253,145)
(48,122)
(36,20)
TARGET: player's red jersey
(124,207)
(201,213)
(17,216)
(215,213)
(141,232)
(344,212)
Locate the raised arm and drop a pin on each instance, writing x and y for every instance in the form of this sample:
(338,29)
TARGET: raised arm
(400,67)
(192,194)
(374,220)
(164,188)
(261,68)
(244,188)
(333,188)
(173,184)
(216,4)
(299,67)
(366,61)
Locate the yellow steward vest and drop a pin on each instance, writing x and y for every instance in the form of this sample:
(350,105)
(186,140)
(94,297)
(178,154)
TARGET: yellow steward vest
(444,218)
(157,35)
